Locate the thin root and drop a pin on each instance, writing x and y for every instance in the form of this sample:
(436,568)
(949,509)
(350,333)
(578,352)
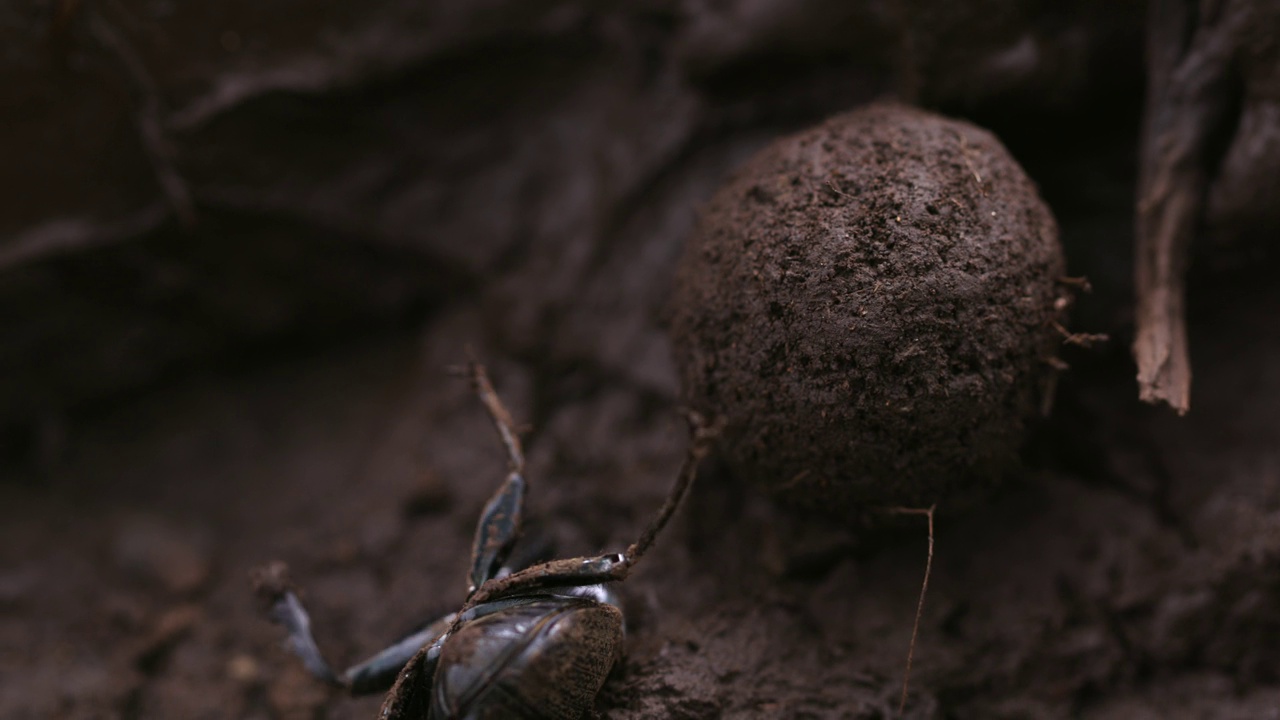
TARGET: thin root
(151,132)
(965,151)
(1085,340)
(1079,283)
(924,588)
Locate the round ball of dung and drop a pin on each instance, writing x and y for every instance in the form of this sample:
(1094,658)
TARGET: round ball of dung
(869,305)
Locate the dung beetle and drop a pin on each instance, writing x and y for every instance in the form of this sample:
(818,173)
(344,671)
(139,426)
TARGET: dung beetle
(536,642)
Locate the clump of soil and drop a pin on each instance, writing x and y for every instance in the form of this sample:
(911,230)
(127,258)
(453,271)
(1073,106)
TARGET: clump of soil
(870,304)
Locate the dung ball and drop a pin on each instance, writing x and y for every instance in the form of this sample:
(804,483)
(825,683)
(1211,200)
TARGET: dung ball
(869,305)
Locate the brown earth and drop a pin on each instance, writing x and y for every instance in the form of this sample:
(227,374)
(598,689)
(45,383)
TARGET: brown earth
(375,187)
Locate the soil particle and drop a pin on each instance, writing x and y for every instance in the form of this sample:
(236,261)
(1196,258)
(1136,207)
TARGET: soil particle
(870,304)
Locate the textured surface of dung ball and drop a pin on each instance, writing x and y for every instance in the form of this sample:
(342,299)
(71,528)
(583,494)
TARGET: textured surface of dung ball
(870,304)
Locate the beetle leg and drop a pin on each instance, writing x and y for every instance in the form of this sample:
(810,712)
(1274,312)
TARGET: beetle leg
(702,435)
(284,608)
(606,568)
(497,530)
(378,673)
(499,524)
(373,675)
(499,414)
(570,572)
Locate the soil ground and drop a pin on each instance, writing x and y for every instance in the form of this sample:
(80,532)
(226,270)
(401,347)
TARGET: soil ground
(1130,572)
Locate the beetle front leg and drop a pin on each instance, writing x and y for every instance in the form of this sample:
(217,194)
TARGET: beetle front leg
(497,531)
(499,414)
(613,567)
(273,587)
(499,524)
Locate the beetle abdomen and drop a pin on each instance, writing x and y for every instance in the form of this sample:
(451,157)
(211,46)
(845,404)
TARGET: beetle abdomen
(541,660)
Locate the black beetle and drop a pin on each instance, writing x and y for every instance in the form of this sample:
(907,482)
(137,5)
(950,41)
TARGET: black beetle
(537,642)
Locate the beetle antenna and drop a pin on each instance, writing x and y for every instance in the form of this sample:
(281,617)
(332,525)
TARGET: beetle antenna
(699,445)
(924,588)
(499,414)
